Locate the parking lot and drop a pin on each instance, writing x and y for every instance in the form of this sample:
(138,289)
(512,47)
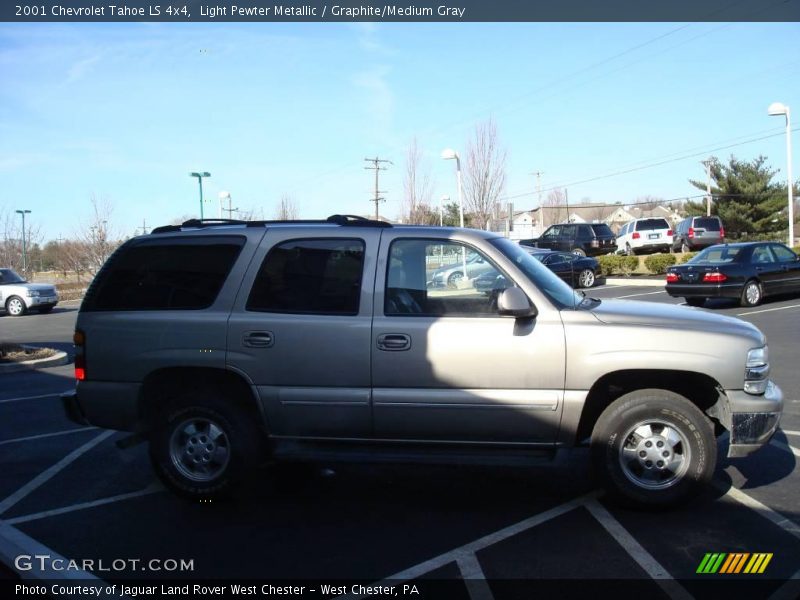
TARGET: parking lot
(70,491)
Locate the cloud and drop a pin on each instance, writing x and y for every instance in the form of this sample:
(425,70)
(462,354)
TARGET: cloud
(77,71)
(379,98)
(368,35)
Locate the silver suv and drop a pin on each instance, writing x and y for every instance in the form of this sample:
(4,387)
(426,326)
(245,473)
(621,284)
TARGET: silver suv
(18,296)
(227,343)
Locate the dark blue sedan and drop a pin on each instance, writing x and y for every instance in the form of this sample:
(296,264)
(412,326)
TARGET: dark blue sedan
(578,271)
(746,271)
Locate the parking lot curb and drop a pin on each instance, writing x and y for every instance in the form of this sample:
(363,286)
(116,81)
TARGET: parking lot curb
(634,282)
(58,359)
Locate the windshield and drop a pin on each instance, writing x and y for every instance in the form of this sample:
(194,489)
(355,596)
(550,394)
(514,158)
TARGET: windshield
(651,224)
(717,255)
(543,278)
(10,276)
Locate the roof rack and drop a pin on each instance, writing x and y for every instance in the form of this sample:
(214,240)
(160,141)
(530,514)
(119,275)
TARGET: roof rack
(342,220)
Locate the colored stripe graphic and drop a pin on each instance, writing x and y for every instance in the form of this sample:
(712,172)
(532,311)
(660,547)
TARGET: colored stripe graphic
(711,562)
(734,563)
(759,562)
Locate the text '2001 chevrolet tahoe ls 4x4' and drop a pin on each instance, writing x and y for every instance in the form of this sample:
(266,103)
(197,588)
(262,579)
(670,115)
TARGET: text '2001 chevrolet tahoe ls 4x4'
(225,342)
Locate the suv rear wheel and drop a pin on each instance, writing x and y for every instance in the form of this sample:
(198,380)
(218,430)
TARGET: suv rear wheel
(205,446)
(653,448)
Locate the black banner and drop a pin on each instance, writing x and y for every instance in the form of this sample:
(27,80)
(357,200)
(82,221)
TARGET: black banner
(407,11)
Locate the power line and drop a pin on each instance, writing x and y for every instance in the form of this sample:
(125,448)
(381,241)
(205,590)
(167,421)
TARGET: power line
(650,166)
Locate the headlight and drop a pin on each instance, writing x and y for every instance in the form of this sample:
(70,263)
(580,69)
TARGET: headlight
(756,371)
(32,293)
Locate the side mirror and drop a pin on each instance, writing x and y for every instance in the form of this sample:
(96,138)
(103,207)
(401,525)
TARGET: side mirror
(513,302)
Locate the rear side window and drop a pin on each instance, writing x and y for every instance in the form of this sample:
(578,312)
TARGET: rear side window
(707,223)
(651,224)
(178,274)
(602,230)
(311,276)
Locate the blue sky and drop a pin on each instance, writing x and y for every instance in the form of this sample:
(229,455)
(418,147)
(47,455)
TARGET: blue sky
(126,111)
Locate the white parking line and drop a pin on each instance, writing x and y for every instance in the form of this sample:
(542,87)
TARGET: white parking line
(765,511)
(474,578)
(45,476)
(637,552)
(45,435)
(787,432)
(755,312)
(53,395)
(642,294)
(153,488)
(472,547)
(786,447)
(14,543)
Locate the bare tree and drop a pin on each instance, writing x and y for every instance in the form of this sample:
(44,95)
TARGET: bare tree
(555,207)
(485,175)
(417,189)
(648,202)
(286,209)
(96,236)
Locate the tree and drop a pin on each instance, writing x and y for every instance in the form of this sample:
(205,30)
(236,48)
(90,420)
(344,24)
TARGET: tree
(98,239)
(451,216)
(417,190)
(485,175)
(286,209)
(555,207)
(744,197)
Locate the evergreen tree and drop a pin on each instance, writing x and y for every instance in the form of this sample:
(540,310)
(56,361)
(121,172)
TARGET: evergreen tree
(744,197)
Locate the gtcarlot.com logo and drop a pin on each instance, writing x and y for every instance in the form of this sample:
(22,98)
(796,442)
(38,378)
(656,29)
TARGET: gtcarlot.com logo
(734,563)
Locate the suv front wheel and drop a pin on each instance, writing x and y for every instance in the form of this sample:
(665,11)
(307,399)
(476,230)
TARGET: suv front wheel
(204,447)
(654,448)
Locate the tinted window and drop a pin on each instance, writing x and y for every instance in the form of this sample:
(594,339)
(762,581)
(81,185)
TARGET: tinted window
(718,255)
(707,223)
(554,231)
(10,276)
(585,232)
(602,230)
(181,274)
(310,276)
(568,231)
(651,224)
(761,254)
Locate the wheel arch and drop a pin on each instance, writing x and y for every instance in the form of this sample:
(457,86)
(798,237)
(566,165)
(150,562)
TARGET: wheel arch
(163,385)
(700,389)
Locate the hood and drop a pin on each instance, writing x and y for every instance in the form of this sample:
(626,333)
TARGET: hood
(39,287)
(654,314)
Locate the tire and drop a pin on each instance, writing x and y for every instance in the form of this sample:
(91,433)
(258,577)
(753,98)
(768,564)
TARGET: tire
(586,278)
(45,309)
(15,306)
(660,424)
(752,293)
(695,301)
(454,278)
(206,445)
(579,252)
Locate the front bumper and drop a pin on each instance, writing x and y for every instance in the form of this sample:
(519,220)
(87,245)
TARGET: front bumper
(754,419)
(37,301)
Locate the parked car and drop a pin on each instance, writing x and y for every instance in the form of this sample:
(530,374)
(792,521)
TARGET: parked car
(747,271)
(450,275)
(696,233)
(644,235)
(225,344)
(585,239)
(18,296)
(577,271)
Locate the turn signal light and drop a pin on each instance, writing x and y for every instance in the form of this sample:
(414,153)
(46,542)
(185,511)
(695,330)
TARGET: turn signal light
(714,277)
(672,278)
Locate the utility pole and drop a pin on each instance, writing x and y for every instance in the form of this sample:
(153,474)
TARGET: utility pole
(24,248)
(144,227)
(376,166)
(566,198)
(538,175)
(229,210)
(707,164)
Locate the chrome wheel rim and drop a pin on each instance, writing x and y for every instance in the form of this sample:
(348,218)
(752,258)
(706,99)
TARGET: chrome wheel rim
(654,455)
(454,279)
(15,306)
(199,449)
(586,278)
(752,293)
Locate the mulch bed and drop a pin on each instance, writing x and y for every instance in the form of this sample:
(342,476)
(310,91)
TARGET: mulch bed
(14,353)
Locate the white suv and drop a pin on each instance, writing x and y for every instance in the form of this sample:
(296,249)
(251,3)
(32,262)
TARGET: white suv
(645,235)
(18,296)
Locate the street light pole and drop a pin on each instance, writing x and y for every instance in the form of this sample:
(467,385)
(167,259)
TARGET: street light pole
(200,175)
(450,154)
(24,247)
(442,200)
(778,108)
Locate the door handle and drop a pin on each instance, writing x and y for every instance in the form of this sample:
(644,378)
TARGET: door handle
(394,342)
(258,339)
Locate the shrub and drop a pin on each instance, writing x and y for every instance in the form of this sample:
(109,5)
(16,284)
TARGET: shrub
(628,264)
(609,263)
(658,263)
(686,257)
